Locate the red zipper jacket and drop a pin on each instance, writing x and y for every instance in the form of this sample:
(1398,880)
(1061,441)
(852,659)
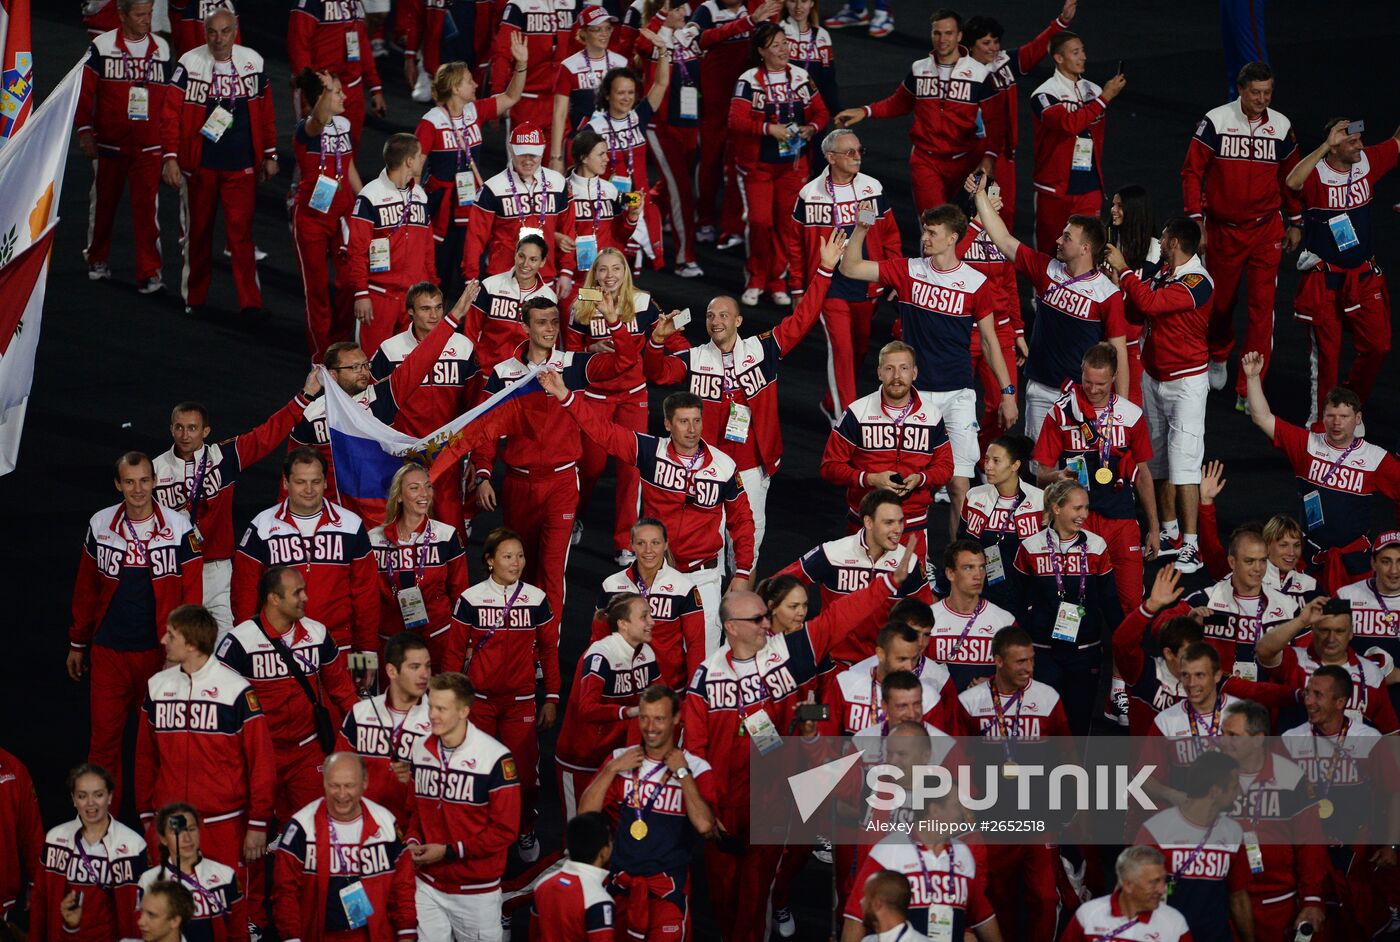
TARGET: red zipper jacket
(188,104)
(110,71)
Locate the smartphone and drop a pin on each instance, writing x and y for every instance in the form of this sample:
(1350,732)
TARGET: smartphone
(1337,607)
(681,319)
(977,177)
(590,294)
(897,479)
(1356,127)
(1120,68)
(994,189)
(812,712)
(866,218)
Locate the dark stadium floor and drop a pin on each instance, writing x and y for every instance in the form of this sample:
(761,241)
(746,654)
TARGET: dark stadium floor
(113,362)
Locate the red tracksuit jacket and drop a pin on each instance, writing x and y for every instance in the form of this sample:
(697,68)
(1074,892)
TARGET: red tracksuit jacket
(945,111)
(217,469)
(311,872)
(498,632)
(507,203)
(609,679)
(1062,110)
(698,505)
(678,635)
(342,586)
(204,739)
(176,571)
(188,104)
(110,71)
(573,906)
(318,38)
(108,884)
(432,561)
(759,100)
(548,26)
(751,379)
(379,214)
(719,699)
(20,822)
(822,206)
(381,736)
(290,721)
(1234,168)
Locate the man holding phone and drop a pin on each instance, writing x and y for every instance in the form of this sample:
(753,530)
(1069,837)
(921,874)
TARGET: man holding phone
(1341,284)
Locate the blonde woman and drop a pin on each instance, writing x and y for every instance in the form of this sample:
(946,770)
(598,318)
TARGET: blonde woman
(422,568)
(623,400)
(450,133)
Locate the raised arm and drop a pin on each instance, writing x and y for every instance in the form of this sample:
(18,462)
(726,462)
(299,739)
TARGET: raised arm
(989,220)
(1299,174)
(1253,365)
(853,263)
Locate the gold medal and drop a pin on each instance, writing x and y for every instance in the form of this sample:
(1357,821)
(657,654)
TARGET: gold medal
(638,830)
(1103,476)
(1324,808)
(1009,769)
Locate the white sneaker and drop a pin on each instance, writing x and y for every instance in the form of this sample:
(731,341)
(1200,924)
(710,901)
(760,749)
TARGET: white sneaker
(781,298)
(577,534)
(750,297)
(690,270)
(784,923)
(99,271)
(822,850)
(1219,375)
(423,93)
(730,242)
(1189,559)
(881,24)
(940,496)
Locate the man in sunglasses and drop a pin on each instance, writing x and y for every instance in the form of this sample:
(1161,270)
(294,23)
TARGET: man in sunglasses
(832,201)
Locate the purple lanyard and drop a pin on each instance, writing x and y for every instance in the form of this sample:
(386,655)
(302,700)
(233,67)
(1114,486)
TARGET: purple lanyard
(215,907)
(339,154)
(690,469)
(1337,749)
(638,780)
(923,869)
(1051,538)
(597,202)
(1103,428)
(1332,471)
(346,860)
(799,42)
(1196,852)
(505,615)
(514,191)
(1112,934)
(196,489)
(418,551)
(1005,727)
(1194,719)
(981,606)
(783,109)
(642,588)
(831,192)
(463,149)
(613,135)
(139,76)
(94,872)
(1389,618)
(144,551)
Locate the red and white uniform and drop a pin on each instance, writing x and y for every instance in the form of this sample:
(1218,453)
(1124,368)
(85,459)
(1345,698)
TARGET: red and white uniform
(978,250)
(131,575)
(382,735)
(451,176)
(1076,430)
(432,561)
(628,149)
(220,909)
(493,321)
(1000,524)
(871,438)
(1102,918)
(507,206)
(319,858)
(1374,617)
(331,550)
(1067,126)
(121,104)
(724,45)
(844,566)
(318,233)
(962,641)
(1370,700)
(1233,178)
(105,874)
(19,822)
(187,22)
(1346,286)
(573,906)
(203,738)
(745,378)
(548,26)
(468,798)
(946,101)
(952,876)
(1205,865)
(248,650)
(1007,69)
(577,78)
(1031,715)
(822,206)
(202,487)
(330,36)
(678,632)
(854,695)
(598,212)
(770,175)
(390,249)
(1245,620)
(1174,307)
(609,681)
(220,172)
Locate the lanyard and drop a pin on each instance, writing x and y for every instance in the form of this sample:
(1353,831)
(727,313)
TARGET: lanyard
(1051,538)
(1195,852)
(614,135)
(729,656)
(1004,725)
(1103,428)
(143,547)
(595,201)
(326,140)
(418,554)
(407,206)
(898,420)
(919,851)
(196,489)
(94,872)
(140,76)
(642,588)
(799,44)
(215,905)
(514,191)
(464,151)
(1257,787)
(1010,514)
(977,610)
(1112,934)
(729,376)
(505,614)
(1194,718)
(396,728)
(346,860)
(232,76)
(690,464)
(638,780)
(782,109)
(1331,471)
(1337,749)
(1388,618)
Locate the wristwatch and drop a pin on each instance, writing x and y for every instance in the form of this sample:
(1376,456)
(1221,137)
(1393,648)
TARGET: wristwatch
(682,773)
(1009,390)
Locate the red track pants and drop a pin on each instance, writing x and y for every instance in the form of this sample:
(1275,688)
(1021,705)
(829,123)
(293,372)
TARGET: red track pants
(674,150)
(205,190)
(390,317)
(118,688)
(717,165)
(628,410)
(317,239)
(112,170)
(1124,540)
(769,192)
(540,506)
(1026,906)
(1053,211)
(938,180)
(739,889)
(847,327)
(513,723)
(1250,252)
(1361,303)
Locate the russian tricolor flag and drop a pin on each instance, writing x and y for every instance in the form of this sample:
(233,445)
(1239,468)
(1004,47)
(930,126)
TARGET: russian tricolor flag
(367,453)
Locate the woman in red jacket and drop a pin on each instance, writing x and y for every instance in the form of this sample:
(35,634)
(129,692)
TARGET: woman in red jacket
(86,887)
(500,628)
(220,907)
(602,219)
(326,194)
(776,110)
(422,568)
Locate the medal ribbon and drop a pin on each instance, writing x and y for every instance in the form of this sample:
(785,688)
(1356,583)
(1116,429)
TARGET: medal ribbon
(1052,538)
(638,779)
(418,552)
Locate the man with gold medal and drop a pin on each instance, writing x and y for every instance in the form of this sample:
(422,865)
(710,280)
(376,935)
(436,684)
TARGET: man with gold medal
(660,796)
